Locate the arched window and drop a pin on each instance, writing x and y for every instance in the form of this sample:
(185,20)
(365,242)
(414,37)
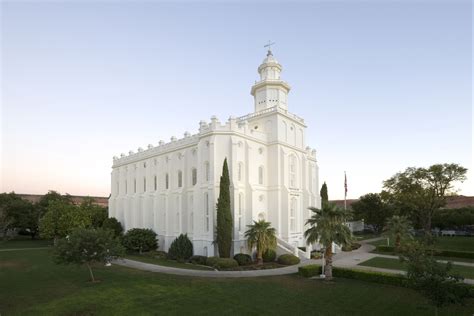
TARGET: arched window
(167,181)
(292,169)
(126,187)
(177,221)
(206,208)
(239,171)
(134,185)
(205,252)
(180,179)
(144,184)
(118,188)
(293,215)
(207,170)
(191,222)
(155,180)
(241,201)
(194,176)
(260,175)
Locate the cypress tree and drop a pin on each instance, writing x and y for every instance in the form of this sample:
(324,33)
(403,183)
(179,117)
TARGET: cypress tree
(224,215)
(324,194)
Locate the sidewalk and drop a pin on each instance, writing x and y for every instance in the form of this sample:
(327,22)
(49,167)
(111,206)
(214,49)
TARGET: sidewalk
(212,274)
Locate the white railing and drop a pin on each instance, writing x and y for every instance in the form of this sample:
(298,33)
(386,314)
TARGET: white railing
(276,108)
(287,247)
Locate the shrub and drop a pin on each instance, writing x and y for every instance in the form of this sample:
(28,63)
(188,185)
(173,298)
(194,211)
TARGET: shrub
(370,276)
(181,248)
(221,263)
(316,255)
(385,248)
(288,260)
(211,261)
(310,270)
(352,246)
(114,225)
(140,239)
(198,260)
(269,255)
(243,259)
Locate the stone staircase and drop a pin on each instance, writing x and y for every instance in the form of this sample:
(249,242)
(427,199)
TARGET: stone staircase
(285,247)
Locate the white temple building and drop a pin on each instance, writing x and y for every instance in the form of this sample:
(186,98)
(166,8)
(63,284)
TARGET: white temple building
(173,188)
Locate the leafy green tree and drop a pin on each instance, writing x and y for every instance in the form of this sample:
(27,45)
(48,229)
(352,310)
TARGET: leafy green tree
(432,279)
(86,247)
(373,210)
(140,239)
(62,218)
(398,227)
(328,226)
(114,225)
(422,191)
(20,213)
(181,248)
(5,221)
(224,215)
(262,236)
(49,197)
(97,213)
(324,194)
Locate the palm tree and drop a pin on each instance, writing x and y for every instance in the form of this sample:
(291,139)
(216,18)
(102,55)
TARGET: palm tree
(327,226)
(399,228)
(261,235)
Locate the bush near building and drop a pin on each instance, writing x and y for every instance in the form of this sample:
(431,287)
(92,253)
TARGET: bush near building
(288,260)
(140,239)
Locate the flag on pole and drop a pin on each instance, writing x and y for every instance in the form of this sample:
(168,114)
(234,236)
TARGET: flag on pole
(345,184)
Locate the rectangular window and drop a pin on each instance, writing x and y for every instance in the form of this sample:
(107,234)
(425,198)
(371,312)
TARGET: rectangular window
(126,187)
(144,184)
(134,185)
(207,171)
(180,179)
(194,176)
(260,175)
(206,207)
(167,181)
(156,183)
(118,188)
(240,212)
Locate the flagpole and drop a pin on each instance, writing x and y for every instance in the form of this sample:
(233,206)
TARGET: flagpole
(345,191)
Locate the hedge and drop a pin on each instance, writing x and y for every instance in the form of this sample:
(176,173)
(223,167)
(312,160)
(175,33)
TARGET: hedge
(370,276)
(269,255)
(198,260)
(221,263)
(243,259)
(385,248)
(456,254)
(288,260)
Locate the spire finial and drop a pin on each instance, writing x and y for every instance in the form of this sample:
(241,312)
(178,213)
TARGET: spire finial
(269,45)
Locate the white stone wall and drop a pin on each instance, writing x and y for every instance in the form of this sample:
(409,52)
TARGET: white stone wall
(274,176)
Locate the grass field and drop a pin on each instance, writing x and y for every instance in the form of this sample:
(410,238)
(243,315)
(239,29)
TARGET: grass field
(389,263)
(32,285)
(456,243)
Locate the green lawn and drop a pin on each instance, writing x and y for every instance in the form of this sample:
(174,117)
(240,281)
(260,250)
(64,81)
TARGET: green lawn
(389,263)
(365,236)
(456,243)
(24,243)
(167,263)
(32,285)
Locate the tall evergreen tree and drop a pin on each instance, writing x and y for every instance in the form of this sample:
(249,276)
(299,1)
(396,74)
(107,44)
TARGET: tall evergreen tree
(224,215)
(324,194)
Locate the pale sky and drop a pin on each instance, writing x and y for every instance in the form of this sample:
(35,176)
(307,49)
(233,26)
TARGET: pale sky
(382,85)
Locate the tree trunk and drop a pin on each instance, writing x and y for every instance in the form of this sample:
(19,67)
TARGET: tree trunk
(328,265)
(397,242)
(90,271)
(259,258)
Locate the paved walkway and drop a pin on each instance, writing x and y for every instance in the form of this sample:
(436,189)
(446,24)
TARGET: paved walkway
(212,274)
(342,259)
